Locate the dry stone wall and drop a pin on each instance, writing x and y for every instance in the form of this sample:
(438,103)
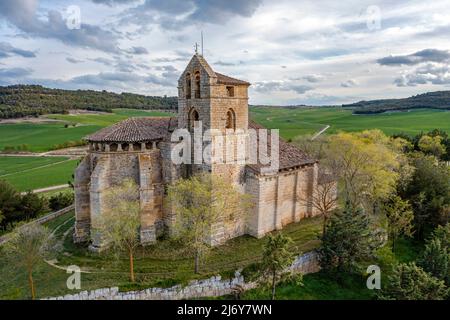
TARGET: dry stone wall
(211,287)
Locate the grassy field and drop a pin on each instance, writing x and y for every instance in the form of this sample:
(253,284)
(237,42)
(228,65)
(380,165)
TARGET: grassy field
(29,173)
(294,122)
(164,264)
(42,137)
(291,122)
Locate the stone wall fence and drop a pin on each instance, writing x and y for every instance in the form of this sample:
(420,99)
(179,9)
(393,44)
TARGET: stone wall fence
(211,287)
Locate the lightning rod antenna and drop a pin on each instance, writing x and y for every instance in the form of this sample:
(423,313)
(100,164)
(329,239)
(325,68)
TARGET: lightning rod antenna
(202,41)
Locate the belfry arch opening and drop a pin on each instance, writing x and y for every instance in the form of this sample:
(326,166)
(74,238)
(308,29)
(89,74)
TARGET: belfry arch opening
(197,85)
(188,86)
(231,120)
(193,117)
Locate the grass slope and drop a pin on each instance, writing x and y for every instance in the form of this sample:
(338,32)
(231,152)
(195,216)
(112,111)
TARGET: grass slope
(163,264)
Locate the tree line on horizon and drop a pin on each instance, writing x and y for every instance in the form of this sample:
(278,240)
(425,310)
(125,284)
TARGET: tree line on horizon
(34,100)
(429,100)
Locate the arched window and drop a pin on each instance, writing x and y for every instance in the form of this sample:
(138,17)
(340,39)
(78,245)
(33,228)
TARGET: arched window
(197,85)
(193,117)
(231,120)
(188,86)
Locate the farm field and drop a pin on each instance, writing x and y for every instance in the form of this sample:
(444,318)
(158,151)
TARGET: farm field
(294,122)
(29,173)
(41,137)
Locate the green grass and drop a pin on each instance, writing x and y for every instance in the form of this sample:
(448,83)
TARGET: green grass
(42,137)
(163,264)
(294,122)
(10,165)
(319,286)
(30,175)
(106,119)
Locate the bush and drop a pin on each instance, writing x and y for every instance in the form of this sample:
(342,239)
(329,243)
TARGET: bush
(61,200)
(15,207)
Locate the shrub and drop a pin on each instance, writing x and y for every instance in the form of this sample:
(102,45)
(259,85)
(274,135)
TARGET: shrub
(61,200)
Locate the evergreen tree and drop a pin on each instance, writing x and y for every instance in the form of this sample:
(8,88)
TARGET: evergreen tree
(436,260)
(276,259)
(347,240)
(410,282)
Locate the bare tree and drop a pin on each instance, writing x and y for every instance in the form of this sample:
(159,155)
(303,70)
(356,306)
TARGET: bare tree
(324,199)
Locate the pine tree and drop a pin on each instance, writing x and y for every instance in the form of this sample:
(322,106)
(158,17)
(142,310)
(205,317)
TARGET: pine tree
(436,260)
(347,240)
(410,282)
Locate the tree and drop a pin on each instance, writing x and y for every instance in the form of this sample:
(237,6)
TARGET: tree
(119,225)
(277,257)
(400,216)
(9,202)
(31,205)
(315,148)
(201,204)
(27,247)
(436,260)
(61,200)
(432,145)
(347,240)
(442,233)
(410,282)
(366,165)
(324,199)
(428,192)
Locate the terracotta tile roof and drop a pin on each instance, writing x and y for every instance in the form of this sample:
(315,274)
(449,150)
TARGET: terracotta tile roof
(135,130)
(290,155)
(223,79)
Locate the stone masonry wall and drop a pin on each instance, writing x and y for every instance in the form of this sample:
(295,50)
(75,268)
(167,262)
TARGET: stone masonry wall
(281,199)
(211,287)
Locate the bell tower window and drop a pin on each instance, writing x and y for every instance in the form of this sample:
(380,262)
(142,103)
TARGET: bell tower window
(231,120)
(230,91)
(188,86)
(197,85)
(193,118)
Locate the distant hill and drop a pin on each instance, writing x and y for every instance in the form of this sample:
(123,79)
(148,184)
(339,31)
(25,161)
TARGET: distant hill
(34,100)
(430,100)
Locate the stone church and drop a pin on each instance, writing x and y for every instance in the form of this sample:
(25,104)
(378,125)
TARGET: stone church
(141,148)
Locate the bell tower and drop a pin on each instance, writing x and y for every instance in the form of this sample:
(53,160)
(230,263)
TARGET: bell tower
(220,104)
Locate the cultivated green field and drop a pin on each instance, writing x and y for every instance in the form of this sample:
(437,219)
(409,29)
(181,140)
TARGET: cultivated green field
(294,122)
(106,119)
(42,137)
(30,173)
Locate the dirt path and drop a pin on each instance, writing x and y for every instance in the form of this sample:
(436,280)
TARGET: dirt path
(52,188)
(320,132)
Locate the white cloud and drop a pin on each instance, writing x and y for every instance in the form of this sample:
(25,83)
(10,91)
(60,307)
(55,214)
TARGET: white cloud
(292,51)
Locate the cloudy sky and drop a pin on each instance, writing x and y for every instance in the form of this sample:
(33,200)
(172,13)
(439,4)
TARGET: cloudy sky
(293,52)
